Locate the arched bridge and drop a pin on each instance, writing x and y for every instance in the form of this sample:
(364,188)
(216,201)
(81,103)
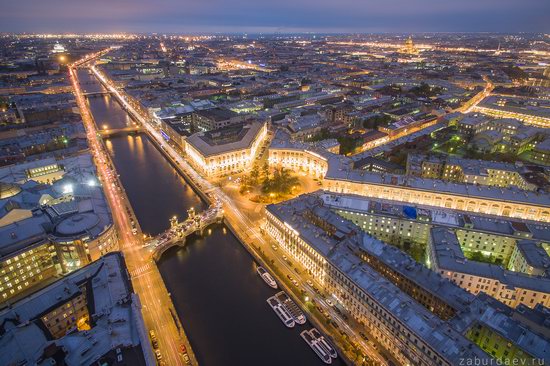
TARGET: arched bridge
(96,94)
(178,232)
(120,131)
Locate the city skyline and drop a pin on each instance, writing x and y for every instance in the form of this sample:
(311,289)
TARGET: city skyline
(246,183)
(247,16)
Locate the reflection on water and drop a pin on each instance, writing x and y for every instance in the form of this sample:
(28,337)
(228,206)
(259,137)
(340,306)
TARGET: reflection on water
(153,186)
(213,282)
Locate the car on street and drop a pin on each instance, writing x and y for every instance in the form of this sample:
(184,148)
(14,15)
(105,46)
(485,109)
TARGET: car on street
(158,355)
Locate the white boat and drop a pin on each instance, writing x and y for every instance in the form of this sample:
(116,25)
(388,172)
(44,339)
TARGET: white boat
(314,344)
(323,342)
(267,277)
(281,312)
(292,308)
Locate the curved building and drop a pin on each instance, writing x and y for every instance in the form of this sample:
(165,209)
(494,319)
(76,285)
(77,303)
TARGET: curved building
(48,230)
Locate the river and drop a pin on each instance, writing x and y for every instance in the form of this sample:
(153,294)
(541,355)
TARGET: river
(219,298)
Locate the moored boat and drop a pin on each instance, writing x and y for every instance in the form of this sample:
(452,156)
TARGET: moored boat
(323,342)
(266,277)
(281,312)
(314,344)
(291,306)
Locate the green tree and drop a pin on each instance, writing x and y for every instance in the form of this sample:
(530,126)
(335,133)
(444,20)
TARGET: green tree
(347,144)
(254,175)
(375,121)
(282,182)
(265,170)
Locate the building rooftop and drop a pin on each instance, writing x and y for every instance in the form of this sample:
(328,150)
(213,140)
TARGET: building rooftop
(116,320)
(449,257)
(340,168)
(522,105)
(341,243)
(217,114)
(227,139)
(534,254)
(71,208)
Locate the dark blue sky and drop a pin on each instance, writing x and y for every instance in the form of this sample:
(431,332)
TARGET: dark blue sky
(195,16)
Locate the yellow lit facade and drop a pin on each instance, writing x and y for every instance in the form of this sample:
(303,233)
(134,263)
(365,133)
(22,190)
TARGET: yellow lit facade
(528,211)
(296,247)
(20,272)
(503,292)
(226,162)
(71,315)
(36,265)
(298,160)
(529,119)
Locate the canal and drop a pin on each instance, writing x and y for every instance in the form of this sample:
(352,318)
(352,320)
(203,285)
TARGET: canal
(219,298)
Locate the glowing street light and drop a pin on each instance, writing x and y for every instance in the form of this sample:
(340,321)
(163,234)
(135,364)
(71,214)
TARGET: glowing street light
(68,189)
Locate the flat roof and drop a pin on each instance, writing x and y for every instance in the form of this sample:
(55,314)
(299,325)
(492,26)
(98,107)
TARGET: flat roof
(224,140)
(116,319)
(449,257)
(217,114)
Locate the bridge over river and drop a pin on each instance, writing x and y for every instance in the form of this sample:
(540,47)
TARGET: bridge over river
(178,232)
(108,132)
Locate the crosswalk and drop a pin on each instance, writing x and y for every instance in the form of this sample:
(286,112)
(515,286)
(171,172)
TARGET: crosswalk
(141,270)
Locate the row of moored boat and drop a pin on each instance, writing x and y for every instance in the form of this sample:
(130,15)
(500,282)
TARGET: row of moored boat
(290,314)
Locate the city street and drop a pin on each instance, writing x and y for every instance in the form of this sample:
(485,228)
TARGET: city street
(247,230)
(157,308)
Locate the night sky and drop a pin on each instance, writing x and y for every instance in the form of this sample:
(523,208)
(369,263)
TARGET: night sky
(196,16)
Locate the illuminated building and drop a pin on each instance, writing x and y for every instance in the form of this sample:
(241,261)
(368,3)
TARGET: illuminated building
(520,249)
(178,121)
(503,135)
(227,150)
(510,288)
(530,257)
(407,126)
(302,127)
(530,111)
(88,316)
(409,47)
(403,225)
(340,176)
(541,152)
(58,48)
(215,118)
(296,156)
(52,227)
(449,168)
(414,313)
(463,197)
(470,125)
(373,139)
